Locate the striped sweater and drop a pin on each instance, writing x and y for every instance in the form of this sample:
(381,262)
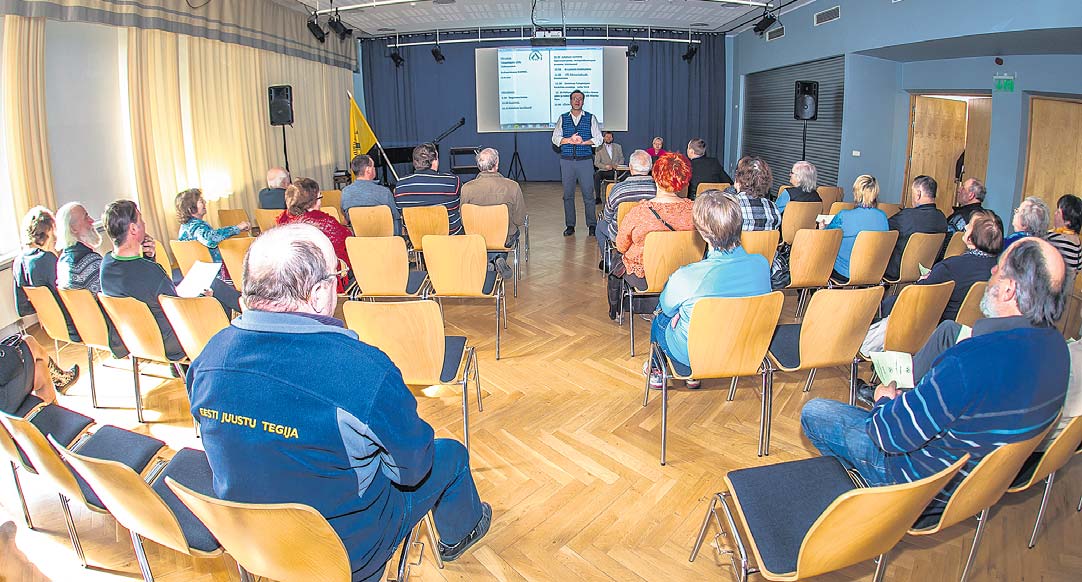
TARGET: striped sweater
(430,188)
(985,392)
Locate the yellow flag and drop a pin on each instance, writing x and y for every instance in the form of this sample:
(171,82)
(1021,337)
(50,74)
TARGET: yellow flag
(361,136)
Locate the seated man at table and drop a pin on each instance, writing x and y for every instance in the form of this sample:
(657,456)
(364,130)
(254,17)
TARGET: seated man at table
(606,158)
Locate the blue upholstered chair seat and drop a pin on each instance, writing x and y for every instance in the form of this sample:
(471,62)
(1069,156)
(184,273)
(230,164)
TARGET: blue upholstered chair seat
(61,423)
(116,444)
(490,282)
(678,368)
(453,347)
(190,468)
(414,281)
(785,345)
(27,405)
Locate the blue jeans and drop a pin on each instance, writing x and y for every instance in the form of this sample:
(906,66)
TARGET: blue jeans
(657,335)
(448,491)
(840,430)
(581,171)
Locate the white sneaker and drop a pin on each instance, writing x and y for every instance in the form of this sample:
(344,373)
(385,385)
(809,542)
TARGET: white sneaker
(656,380)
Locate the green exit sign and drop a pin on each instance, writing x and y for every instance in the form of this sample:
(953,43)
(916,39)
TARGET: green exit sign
(1003,83)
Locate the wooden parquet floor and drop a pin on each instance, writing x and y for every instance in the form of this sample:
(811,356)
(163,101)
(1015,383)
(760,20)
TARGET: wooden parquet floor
(567,455)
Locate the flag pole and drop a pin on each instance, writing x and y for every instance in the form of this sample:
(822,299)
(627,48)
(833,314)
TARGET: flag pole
(386,160)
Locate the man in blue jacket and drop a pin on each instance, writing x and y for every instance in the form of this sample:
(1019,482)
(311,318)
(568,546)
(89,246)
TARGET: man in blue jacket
(292,407)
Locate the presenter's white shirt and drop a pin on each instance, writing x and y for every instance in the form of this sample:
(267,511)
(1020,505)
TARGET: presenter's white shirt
(558,131)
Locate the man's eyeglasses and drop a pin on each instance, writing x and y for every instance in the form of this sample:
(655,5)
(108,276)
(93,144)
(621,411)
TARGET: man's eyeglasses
(342,272)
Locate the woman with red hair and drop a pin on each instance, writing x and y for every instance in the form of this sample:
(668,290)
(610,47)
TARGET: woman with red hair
(665,211)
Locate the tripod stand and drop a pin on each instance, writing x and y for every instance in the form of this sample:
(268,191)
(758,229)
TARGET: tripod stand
(514,170)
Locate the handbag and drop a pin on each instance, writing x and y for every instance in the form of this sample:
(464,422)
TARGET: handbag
(16,373)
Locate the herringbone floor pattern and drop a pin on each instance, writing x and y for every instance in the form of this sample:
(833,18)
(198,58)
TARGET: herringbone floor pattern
(567,455)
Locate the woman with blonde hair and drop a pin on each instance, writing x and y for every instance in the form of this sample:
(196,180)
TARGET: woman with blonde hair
(866,216)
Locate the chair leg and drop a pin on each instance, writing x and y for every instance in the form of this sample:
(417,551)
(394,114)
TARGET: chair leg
(740,563)
(982,520)
(22,498)
(138,391)
(1079,508)
(72,532)
(664,409)
(732,390)
(516,273)
(631,318)
(476,378)
(93,383)
(466,404)
(141,557)
(811,378)
(56,347)
(766,412)
(646,390)
(244,575)
(853,382)
(1040,512)
(880,568)
(403,557)
(433,538)
(711,511)
(498,308)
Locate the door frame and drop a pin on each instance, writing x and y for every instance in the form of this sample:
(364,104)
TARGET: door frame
(906,179)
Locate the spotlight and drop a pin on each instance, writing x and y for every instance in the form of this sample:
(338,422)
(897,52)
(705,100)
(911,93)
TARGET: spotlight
(315,29)
(398,59)
(438,54)
(765,23)
(632,51)
(336,26)
(690,54)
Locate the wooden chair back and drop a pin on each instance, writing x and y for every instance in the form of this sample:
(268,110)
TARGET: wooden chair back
(970,311)
(761,242)
(411,333)
(421,221)
(956,245)
(491,222)
(50,315)
(1070,321)
(1058,453)
(288,542)
(798,216)
(162,258)
(332,199)
(750,319)
(195,320)
(10,449)
(87,316)
(622,210)
(187,252)
(915,316)
(231,216)
(835,325)
(666,251)
(334,212)
(889,209)
(233,251)
(829,195)
(42,456)
(811,260)
(986,483)
(267,218)
(380,263)
(840,206)
(136,326)
(457,265)
(871,253)
(371,221)
(866,522)
(921,249)
(704,186)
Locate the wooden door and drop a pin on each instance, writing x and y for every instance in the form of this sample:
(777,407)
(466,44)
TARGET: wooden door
(978,129)
(937,138)
(1055,150)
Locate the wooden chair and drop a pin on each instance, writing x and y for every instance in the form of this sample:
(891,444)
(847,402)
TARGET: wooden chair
(139,330)
(889,209)
(195,320)
(457,267)
(761,242)
(980,490)
(663,253)
(332,199)
(868,261)
(233,251)
(1045,465)
(608,191)
(970,311)
(811,261)
(162,258)
(187,252)
(920,249)
(748,322)
(335,213)
(86,314)
(381,264)
(956,245)
(267,218)
(826,521)
(493,223)
(915,316)
(371,221)
(704,186)
(412,335)
(829,195)
(1070,321)
(621,211)
(148,509)
(232,217)
(798,216)
(840,206)
(830,335)
(50,316)
(421,221)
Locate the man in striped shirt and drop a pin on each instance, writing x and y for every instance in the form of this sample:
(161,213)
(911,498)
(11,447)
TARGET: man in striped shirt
(428,187)
(985,392)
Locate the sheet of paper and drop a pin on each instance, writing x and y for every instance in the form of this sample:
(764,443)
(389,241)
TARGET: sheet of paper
(198,279)
(894,367)
(824,218)
(964,333)
(923,270)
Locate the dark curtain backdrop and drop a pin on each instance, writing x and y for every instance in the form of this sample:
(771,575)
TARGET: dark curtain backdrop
(667,97)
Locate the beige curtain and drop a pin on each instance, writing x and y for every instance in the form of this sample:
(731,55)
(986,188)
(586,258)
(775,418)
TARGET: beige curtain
(24,123)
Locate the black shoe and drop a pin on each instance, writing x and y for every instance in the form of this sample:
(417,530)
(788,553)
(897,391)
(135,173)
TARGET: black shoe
(452,553)
(592,230)
(569,231)
(865,393)
(597,201)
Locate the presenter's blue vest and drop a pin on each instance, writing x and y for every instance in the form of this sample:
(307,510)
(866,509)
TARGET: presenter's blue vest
(568,150)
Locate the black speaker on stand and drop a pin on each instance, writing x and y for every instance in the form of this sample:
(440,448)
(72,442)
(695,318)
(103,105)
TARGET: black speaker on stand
(806,108)
(281,112)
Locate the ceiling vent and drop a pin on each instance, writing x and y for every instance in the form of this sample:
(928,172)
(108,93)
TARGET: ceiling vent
(828,15)
(775,34)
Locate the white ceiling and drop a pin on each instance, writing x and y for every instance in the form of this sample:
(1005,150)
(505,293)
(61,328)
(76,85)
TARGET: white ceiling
(427,16)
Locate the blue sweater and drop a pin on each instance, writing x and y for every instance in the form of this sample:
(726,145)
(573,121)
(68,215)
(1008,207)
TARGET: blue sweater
(294,410)
(853,222)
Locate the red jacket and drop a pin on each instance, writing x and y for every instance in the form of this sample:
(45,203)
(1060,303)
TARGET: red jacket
(328,226)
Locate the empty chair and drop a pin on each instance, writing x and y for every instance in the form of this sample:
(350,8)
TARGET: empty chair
(93,328)
(811,261)
(371,221)
(955,246)
(150,509)
(421,221)
(663,253)
(195,320)
(621,211)
(704,186)
(830,195)
(920,249)
(457,267)
(162,258)
(231,217)
(50,316)
(761,242)
(806,518)
(412,335)
(493,223)
(1044,465)
(868,261)
(840,206)
(381,264)
(970,311)
(267,218)
(890,209)
(798,216)
(748,322)
(233,251)
(187,252)
(332,199)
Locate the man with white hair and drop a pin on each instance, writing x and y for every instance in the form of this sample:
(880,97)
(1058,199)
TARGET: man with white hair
(638,186)
(343,437)
(489,188)
(273,197)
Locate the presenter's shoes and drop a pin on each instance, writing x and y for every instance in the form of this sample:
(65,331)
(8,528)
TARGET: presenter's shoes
(454,552)
(592,228)
(865,393)
(569,231)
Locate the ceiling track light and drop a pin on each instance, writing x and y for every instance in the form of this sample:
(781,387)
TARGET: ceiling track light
(693,49)
(436,52)
(765,22)
(632,51)
(336,26)
(315,29)
(397,58)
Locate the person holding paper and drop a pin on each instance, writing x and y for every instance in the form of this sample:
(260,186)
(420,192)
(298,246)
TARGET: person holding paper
(865,216)
(575,134)
(191,210)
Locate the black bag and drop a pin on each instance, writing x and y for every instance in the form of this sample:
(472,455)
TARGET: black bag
(16,373)
(779,269)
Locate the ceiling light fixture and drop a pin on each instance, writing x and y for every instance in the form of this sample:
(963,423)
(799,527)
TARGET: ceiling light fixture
(315,29)
(336,26)
(690,54)
(632,51)
(398,59)
(436,52)
(764,23)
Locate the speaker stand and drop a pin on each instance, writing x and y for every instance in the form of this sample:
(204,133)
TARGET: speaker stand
(804,143)
(514,170)
(285,149)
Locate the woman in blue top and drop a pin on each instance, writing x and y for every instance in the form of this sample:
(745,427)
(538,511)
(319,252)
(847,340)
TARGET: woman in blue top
(727,271)
(191,209)
(866,216)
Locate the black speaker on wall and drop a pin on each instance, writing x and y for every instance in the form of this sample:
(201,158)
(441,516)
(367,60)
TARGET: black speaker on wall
(281,104)
(806,101)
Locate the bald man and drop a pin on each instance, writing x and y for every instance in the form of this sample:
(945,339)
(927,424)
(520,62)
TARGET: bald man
(343,437)
(1002,386)
(273,197)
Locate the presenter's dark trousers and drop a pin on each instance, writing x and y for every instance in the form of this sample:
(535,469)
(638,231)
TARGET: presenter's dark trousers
(581,171)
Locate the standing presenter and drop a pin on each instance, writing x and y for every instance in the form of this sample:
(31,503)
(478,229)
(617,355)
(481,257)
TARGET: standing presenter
(574,134)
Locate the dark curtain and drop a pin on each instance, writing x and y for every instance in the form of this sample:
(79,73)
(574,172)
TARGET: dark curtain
(667,97)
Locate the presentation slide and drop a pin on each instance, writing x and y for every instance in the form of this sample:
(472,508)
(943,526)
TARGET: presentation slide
(535,84)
